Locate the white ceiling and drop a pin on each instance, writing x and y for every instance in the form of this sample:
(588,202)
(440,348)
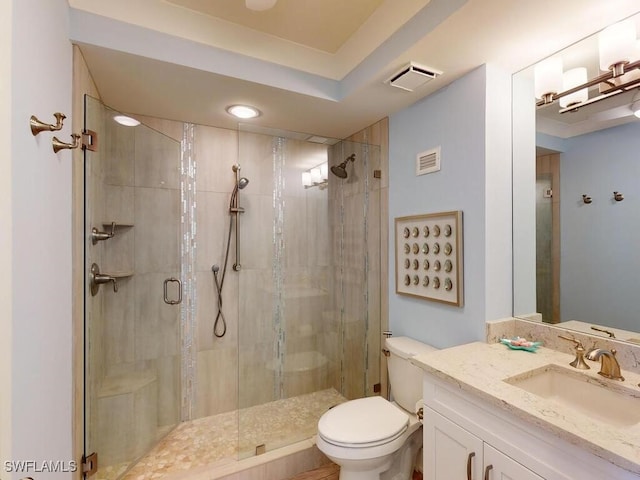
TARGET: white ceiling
(316,66)
(324,25)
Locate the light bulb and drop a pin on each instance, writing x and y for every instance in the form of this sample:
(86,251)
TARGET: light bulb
(617,44)
(306,179)
(316,177)
(571,79)
(324,172)
(243,111)
(548,77)
(126,121)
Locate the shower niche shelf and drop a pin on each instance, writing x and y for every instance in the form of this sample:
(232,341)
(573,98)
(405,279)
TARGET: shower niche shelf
(109,230)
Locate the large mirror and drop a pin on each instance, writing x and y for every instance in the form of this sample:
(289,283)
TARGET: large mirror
(577,198)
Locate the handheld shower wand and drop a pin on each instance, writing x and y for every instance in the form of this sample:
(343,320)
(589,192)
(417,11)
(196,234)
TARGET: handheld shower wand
(220,323)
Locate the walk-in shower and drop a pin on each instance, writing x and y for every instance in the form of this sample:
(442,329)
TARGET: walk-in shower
(220,322)
(300,330)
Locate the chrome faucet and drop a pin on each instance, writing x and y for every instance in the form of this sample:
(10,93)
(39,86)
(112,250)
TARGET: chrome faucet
(609,366)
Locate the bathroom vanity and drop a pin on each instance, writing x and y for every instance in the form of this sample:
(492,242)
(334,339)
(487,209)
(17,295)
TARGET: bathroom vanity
(491,412)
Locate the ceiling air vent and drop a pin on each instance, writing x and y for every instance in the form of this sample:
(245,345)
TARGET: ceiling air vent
(411,76)
(428,161)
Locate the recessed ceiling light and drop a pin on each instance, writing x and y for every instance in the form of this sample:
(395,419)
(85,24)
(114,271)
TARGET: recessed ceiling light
(243,111)
(126,121)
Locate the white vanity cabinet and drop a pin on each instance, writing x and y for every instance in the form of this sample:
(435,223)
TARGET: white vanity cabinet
(452,452)
(467,437)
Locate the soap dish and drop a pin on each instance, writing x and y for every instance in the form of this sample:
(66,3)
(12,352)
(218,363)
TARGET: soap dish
(518,343)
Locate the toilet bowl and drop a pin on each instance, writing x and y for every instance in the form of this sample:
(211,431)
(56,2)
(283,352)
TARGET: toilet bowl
(371,438)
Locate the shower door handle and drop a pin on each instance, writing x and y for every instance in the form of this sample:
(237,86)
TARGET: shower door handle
(166,291)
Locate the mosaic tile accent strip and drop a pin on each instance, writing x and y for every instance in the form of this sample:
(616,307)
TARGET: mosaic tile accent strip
(188,274)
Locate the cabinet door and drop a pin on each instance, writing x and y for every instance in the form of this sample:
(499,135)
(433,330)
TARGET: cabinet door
(500,467)
(450,452)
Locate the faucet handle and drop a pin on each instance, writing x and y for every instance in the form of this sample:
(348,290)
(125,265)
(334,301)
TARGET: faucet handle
(578,362)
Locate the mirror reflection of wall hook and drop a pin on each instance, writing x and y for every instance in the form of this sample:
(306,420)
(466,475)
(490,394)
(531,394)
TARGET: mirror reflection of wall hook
(38,126)
(618,197)
(587,199)
(60,145)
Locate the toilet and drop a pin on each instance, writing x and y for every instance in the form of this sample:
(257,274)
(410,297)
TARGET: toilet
(371,438)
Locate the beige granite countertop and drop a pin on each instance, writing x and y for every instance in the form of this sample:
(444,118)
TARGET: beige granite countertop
(480,369)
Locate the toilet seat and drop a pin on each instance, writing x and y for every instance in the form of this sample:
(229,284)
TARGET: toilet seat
(362,423)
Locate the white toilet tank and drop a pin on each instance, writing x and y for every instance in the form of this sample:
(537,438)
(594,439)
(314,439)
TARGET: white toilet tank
(404,377)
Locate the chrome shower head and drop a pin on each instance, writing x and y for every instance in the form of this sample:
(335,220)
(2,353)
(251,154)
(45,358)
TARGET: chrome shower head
(340,171)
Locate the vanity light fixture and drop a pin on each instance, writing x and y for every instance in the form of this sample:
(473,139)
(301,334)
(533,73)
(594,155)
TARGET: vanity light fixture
(126,121)
(618,55)
(243,111)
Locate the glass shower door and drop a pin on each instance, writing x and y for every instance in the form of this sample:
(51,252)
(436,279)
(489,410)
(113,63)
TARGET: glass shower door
(132,289)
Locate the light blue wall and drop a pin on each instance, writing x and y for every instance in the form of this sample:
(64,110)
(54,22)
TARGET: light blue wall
(455,118)
(600,242)
(552,143)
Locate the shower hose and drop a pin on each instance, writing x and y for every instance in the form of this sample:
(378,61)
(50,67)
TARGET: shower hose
(220,323)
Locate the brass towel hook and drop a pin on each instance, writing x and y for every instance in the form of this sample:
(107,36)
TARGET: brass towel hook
(60,145)
(38,126)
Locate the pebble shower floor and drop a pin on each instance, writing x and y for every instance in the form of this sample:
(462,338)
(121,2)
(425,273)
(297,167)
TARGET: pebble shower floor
(212,440)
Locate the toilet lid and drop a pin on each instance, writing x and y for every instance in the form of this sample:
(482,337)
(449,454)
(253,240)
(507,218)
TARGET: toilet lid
(365,421)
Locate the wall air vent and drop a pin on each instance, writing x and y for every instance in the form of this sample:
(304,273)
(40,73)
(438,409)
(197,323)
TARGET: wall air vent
(411,76)
(428,161)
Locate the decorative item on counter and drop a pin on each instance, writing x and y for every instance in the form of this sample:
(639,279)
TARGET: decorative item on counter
(519,343)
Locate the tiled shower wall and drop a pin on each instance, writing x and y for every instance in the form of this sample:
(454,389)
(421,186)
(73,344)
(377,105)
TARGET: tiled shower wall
(315,321)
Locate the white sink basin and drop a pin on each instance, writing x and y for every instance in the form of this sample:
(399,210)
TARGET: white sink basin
(611,403)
